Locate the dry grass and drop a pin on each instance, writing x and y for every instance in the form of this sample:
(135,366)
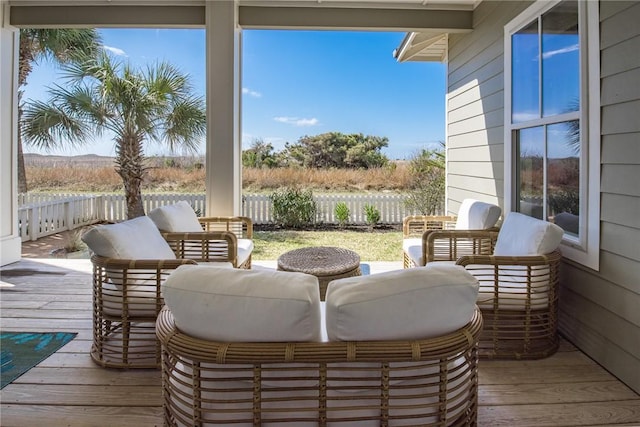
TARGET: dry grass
(84,178)
(387,178)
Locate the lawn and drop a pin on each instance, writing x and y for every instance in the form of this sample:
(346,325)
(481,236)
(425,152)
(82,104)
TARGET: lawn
(371,246)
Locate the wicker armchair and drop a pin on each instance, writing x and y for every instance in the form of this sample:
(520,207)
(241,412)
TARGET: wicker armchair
(472,215)
(518,272)
(126,303)
(258,347)
(131,261)
(209,239)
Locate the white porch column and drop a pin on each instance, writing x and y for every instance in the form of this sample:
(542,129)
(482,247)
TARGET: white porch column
(10,243)
(223,143)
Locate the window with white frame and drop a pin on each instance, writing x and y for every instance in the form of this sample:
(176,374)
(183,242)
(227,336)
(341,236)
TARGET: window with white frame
(552,126)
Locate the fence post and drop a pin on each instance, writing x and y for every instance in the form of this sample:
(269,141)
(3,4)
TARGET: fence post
(34,223)
(68,214)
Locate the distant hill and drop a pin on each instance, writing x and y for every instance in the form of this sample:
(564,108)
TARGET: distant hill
(33,159)
(94,160)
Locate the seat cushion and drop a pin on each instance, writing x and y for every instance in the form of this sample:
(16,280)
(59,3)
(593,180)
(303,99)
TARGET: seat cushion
(413,303)
(137,238)
(522,235)
(413,247)
(177,218)
(245,247)
(224,304)
(476,215)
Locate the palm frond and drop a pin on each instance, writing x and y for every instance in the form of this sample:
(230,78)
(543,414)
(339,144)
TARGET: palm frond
(48,126)
(185,125)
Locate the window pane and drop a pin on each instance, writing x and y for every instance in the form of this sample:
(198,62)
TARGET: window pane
(525,103)
(530,171)
(560,59)
(563,175)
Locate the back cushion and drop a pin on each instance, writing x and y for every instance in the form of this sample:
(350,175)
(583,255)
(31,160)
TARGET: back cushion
(476,215)
(522,235)
(414,303)
(137,238)
(236,305)
(179,217)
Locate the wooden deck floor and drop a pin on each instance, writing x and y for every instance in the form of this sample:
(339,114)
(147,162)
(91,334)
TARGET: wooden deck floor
(68,389)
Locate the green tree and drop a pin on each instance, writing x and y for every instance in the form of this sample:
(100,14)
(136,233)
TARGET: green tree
(136,106)
(259,155)
(337,150)
(58,45)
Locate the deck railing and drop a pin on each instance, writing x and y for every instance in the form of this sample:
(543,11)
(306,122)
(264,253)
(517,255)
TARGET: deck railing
(41,214)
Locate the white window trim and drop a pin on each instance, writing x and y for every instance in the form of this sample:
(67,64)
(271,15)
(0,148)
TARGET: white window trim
(587,250)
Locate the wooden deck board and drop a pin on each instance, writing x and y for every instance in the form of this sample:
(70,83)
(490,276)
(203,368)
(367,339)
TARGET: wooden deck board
(68,389)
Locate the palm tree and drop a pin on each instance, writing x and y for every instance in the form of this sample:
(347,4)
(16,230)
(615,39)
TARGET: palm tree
(59,45)
(135,106)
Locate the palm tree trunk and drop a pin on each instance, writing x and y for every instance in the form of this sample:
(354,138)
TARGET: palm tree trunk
(22,173)
(130,167)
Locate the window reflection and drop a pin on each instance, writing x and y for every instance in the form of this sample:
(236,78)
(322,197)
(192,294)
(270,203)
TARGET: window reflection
(530,173)
(563,175)
(560,59)
(525,74)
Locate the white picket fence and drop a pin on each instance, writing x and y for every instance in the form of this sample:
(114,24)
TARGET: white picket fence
(41,215)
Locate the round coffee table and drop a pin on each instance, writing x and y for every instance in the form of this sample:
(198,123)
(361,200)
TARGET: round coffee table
(325,262)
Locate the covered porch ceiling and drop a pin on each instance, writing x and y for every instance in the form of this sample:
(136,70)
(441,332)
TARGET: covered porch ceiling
(386,15)
(427,22)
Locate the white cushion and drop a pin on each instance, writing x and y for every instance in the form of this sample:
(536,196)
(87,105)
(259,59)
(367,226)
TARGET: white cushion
(522,235)
(137,238)
(222,304)
(412,303)
(179,218)
(245,247)
(413,247)
(476,215)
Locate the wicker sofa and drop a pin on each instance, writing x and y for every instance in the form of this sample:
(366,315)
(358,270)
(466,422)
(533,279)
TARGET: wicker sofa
(256,347)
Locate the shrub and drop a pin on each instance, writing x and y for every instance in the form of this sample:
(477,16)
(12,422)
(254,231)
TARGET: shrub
(372,215)
(73,241)
(294,208)
(342,213)
(565,200)
(426,192)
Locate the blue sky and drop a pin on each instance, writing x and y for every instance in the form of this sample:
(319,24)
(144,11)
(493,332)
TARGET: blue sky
(297,83)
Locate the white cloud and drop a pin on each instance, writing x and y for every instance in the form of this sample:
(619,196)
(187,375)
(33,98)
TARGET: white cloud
(295,121)
(247,91)
(114,50)
(567,49)
(525,116)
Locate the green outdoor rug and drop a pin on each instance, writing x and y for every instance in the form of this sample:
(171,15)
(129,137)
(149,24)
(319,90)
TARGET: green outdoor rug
(21,351)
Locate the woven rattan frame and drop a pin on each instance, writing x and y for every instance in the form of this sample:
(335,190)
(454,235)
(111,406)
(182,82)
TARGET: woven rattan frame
(416,225)
(126,302)
(449,245)
(325,262)
(241,226)
(205,246)
(217,243)
(189,364)
(521,309)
